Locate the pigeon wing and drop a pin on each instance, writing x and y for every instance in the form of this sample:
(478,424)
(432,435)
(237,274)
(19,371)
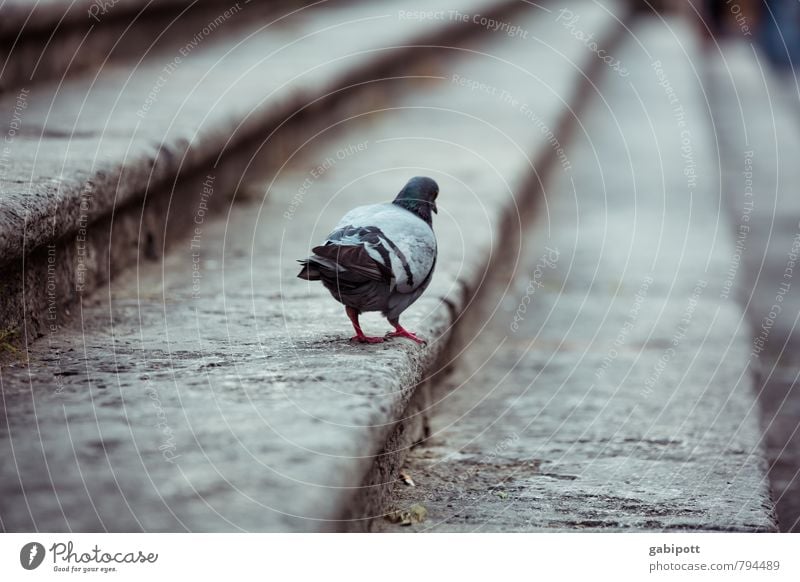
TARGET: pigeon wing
(353,258)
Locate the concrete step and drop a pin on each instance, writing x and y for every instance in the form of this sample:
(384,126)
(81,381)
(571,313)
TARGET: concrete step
(758,124)
(56,39)
(612,390)
(216,391)
(99,154)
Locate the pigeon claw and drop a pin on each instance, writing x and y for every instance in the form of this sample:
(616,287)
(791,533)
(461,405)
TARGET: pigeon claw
(366,339)
(407,334)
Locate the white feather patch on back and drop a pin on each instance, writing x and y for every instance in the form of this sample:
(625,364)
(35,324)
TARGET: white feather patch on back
(410,234)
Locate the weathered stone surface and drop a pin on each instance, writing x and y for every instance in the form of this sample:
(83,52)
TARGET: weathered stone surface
(215,390)
(53,40)
(83,149)
(44,16)
(611,389)
(178,110)
(755,113)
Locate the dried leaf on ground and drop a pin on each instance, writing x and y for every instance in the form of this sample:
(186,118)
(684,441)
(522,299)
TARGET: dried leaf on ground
(415,514)
(406,478)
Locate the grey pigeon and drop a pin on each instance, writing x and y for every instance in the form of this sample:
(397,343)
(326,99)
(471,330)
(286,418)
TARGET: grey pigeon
(380,257)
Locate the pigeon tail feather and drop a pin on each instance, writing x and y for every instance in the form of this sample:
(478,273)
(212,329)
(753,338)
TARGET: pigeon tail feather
(309,272)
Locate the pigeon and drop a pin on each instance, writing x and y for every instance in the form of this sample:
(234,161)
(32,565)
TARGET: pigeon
(380,257)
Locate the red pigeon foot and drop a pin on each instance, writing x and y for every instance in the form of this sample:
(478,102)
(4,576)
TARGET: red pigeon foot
(402,332)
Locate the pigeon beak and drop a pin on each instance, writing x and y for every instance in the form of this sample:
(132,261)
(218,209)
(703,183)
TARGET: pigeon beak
(435,210)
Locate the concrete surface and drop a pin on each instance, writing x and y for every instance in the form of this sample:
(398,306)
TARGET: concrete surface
(86,148)
(55,39)
(610,389)
(154,122)
(757,115)
(216,391)
(21,17)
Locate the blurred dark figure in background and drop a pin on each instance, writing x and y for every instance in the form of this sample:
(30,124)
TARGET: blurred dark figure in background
(775,24)
(779,33)
(714,17)
(730,17)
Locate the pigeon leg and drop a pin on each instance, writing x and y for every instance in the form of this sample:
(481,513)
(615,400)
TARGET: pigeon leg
(360,337)
(400,331)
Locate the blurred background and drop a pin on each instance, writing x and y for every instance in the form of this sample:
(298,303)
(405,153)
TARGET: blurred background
(601,163)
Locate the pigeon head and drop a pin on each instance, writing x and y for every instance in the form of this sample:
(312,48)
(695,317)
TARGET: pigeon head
(419,196)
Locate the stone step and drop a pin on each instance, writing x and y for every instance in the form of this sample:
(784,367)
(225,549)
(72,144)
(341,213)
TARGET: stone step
(118,152)
(56,39)
(612,391)
(216,391)
(759,136)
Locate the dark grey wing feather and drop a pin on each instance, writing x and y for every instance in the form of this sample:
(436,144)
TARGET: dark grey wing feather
(352,258)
